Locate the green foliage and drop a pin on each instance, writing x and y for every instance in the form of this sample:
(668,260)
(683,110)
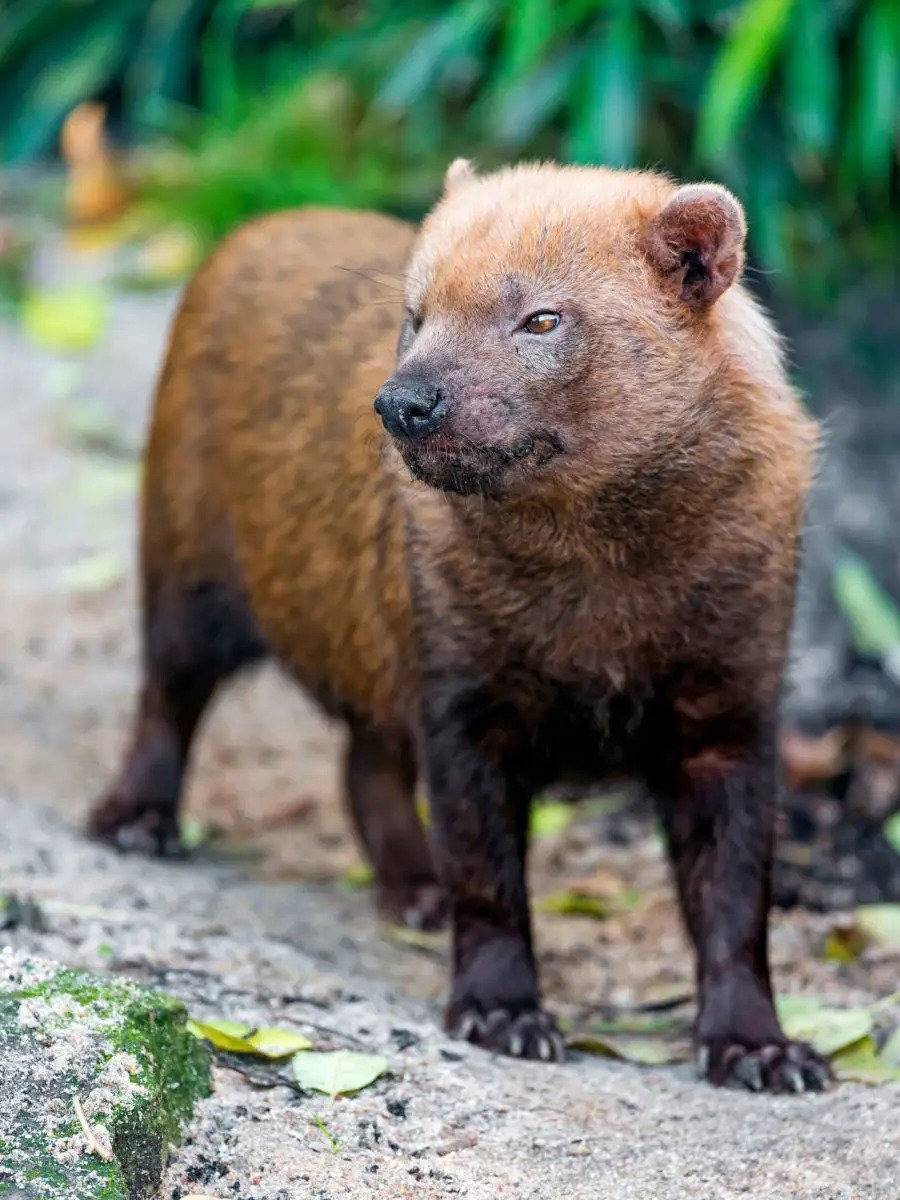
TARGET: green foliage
(873,616)
(266,103)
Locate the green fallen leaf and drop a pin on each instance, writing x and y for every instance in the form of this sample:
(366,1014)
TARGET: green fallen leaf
(245,1039)
(550,818)
(337,1072)
(827,1030)
(575,904)
(224,1035)
(94,573)
(644,1051)
(278,1043)
(862,1063)
(193,833)
(871,612)
(358,877)
(891,831)
(71,318)
(640,1025)
(844,944)
(417,939)
(881,923)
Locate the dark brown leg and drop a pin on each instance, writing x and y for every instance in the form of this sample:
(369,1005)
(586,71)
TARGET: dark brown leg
(193,641)
(479,809)
(719,818)
(380,784)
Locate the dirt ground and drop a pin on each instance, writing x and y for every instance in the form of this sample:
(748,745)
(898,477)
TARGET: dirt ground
(263,928)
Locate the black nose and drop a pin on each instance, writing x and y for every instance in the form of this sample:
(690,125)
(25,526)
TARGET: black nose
(410,408)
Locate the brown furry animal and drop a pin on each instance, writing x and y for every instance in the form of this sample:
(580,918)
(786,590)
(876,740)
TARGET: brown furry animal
(575,550)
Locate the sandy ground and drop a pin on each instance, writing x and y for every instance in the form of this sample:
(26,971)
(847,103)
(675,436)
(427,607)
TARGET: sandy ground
(267,933)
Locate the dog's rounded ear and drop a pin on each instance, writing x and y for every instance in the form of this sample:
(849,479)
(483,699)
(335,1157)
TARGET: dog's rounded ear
(697,243)
(459,172)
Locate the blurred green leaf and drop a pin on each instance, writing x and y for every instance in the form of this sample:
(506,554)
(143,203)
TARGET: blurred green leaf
(418,939)
(575,904)
(644,1051)
(873,616)
(812,78)
(459,31)
(62,70)
(641,1025)
(826,1029)
(528,30)
(738,74)
(606,127)
(531,102)
(338,1072)
(71,318)
(877,106)
(549,818)
(891,831)
(160,67)
(192,833)
(246,1039)
(95,573)
(880,922)
(358,877)
(861,1063)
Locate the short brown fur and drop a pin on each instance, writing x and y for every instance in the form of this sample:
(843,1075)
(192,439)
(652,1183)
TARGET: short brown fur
(608,525)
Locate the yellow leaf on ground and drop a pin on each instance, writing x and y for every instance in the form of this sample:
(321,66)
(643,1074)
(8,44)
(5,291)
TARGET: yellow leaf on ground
(66,319)
(881,923)
(245,1039)
(644,1051)
(862,1063)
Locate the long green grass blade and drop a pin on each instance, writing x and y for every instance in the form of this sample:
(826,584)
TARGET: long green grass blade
(811,77)
(876,115)
(606,126)
(160,68)
(60,73)
(529,106)
(461,31)
(873,615)
(738,74)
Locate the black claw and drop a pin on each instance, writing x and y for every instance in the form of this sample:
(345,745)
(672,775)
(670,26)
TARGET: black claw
(775,1067)
(529,1035)
(816,1076)
(748,1072)
(792,1078)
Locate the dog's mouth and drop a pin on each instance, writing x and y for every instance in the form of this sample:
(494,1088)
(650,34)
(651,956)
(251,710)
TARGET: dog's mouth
(466,468)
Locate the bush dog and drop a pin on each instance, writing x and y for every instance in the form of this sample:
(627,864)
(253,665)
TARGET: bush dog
(571,547)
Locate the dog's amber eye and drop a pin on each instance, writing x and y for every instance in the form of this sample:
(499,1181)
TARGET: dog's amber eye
(542,322)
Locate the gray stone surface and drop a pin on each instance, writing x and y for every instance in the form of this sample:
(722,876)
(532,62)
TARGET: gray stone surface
(97,1077)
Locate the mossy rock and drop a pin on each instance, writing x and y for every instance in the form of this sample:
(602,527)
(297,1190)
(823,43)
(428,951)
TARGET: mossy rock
(117,1052)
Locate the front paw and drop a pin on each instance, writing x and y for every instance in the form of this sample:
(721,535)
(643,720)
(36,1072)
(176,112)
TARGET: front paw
(530,1033)
(773,1066)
